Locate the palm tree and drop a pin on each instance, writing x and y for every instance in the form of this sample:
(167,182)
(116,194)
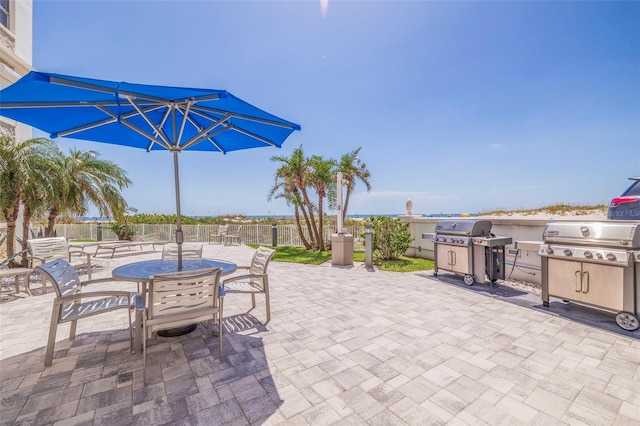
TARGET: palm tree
(320,178)
(27,170)
(88,179)
(291,178)
(353,169)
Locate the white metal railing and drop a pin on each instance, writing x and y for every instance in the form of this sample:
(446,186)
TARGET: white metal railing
(249,233)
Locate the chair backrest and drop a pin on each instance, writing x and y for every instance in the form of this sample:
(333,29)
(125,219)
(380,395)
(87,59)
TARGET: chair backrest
(61,275)
(222,229)
(176,299)
(189,251)
(49,248)
(260,263)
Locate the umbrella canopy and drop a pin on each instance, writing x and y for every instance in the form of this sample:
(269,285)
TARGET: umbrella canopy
(142,116)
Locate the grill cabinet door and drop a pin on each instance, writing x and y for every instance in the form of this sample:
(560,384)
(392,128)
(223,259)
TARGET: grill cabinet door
(460,256)
(565,279)
(598,285)
(602,285)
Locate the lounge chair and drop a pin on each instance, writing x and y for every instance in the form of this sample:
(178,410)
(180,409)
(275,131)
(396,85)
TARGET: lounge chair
(255,281)
(71,304)
(189,251)
(178,299)
(16,273)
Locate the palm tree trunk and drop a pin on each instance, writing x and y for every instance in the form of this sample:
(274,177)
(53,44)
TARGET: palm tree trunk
(314,227)
(26,220)
(12,216)
(51,221)
(305,242)
(320,223)
(346,204)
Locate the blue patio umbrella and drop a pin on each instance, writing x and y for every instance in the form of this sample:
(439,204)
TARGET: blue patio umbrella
(142,116)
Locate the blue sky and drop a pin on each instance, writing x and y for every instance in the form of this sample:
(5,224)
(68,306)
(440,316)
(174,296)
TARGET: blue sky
(459,106)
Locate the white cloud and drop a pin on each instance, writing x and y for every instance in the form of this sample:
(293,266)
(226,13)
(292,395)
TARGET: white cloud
(494,145)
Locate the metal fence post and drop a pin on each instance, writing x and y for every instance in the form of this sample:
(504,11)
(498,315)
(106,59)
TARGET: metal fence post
(99,232)
(274,235)
(368,245)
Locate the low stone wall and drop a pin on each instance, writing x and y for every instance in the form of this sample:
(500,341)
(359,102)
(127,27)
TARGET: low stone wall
(521,257)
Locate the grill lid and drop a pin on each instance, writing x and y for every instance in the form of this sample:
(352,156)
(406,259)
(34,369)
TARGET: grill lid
(609,234)
(474,228)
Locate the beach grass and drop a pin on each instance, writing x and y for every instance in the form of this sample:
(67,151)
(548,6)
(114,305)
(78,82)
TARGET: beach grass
(560,209)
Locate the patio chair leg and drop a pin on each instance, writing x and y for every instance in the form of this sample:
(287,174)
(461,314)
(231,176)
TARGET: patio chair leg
(72,331)
(144,353)
(253,300)
(130,332)
(48,356)
(268,302)
(220,330)
(27,284)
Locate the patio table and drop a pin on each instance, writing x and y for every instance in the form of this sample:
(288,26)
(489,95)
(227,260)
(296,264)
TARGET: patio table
(141,272)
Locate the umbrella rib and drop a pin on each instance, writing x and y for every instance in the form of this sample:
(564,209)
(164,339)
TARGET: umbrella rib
(185,114)
(158,130)
(136,128)
(112,119)
(209,137)
(252,135)
(164,119)
(205,131)
(248,117)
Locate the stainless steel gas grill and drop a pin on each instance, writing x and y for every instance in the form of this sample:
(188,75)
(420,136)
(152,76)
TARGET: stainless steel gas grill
(467,247)
(594,263)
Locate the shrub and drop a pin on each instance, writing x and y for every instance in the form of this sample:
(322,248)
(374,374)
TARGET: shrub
(391,238)
(122,231)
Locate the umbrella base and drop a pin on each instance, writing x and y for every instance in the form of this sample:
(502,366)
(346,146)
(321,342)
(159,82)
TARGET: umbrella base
(178,331)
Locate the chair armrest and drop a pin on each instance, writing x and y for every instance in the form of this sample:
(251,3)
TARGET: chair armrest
(79,296)
(31,259)
(243,277)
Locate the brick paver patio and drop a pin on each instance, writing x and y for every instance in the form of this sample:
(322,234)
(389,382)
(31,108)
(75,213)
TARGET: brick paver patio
(345,346)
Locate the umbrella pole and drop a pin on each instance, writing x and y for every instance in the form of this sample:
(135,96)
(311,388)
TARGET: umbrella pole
(179,235)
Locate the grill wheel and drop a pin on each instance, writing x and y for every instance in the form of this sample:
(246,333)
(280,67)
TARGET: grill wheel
(628,321)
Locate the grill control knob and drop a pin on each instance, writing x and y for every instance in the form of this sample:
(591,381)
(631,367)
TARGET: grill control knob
(549,250)
(588,254)
(567,252)
(599,255)
(611,256)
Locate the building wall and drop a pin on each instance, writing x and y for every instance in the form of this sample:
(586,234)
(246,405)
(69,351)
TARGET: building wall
(16,55)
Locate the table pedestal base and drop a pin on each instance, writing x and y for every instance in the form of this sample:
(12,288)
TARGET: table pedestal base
(179,331)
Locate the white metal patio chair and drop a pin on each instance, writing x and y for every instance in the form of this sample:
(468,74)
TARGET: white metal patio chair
(71,304)
(178,299)
(233,237)
(219,235)
(255,281)
(42,250)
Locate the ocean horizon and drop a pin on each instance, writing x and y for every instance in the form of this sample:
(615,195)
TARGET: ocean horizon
(290,216)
